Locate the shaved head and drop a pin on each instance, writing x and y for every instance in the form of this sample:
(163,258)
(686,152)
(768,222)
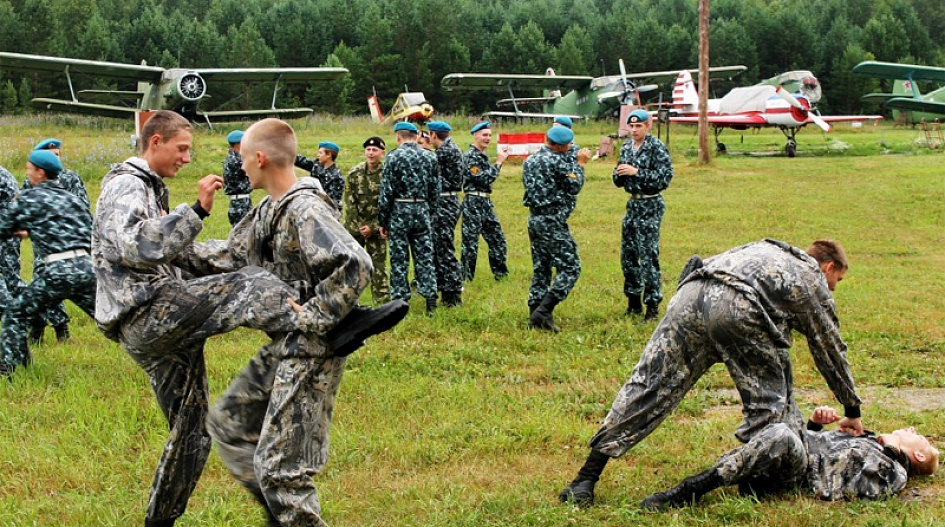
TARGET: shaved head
(273,137)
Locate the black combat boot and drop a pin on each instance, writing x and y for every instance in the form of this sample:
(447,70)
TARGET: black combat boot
(652,311)
(159,523)
(431,306)
(363,322)
(62,333)
(581,490)
(452,298)
(541,317)
(35,335)
(686,493)
(532,306)
(634,306)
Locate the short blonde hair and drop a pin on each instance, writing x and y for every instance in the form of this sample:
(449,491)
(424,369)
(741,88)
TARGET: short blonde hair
(163,123)
(829,251)
(275,138)
(927,467)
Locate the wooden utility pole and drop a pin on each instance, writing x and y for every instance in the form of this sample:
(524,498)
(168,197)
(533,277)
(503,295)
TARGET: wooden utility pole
(704,158)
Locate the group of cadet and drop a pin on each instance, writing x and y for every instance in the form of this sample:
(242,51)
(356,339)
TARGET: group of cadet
(294,267)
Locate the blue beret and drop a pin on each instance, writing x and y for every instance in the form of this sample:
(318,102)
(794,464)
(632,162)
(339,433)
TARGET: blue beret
(46,160)
(564,120)
(480,126)
(638,116)
(409,127)
(439,126)
(236,136)
(328,145)
(46,144)
(560,135)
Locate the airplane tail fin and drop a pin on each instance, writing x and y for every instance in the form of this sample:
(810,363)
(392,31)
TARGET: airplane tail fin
(684,91)
(375,108)
(903,87)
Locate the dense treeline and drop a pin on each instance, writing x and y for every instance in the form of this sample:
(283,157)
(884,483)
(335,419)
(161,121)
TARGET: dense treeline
(390,44)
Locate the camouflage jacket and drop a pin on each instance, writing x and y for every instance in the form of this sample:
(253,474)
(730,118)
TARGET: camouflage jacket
(655,168)
(138,245)
(410,172)
(8,191)
(235,181)
(787,288)
(330,177)
(299,239)
(452,168)
(551,180)
(56,220)
(841,466)
(479,173)
(72,183)
(360,201)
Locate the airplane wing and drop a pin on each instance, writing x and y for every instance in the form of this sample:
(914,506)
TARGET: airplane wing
(498,81)
(662,76)
(846,118)
(530,115)
(240,115)
(880,97)
(726,121)
(525,100)
(905,103)
(131,72)
(61,105)
(891,70)
(293,75)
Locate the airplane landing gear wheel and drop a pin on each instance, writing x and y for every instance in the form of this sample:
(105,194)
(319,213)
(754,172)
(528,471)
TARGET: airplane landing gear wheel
(791,149)
(720,149)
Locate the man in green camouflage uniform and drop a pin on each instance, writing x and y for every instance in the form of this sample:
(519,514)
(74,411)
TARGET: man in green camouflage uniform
(326,171)
(272,424)
(739,309)
(479,217)
(235,183)
(60,225)
(72,183)
(833,465)
(142,251)
(449,278)
(644,170)
(410,188)
(360,213)
(551,183)
(10,282)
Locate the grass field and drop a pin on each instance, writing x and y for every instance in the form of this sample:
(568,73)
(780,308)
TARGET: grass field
(469,419)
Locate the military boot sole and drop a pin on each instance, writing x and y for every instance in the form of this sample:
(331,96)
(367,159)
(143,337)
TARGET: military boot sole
(361,324)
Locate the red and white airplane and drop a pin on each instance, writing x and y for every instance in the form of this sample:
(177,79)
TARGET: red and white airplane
(762,105)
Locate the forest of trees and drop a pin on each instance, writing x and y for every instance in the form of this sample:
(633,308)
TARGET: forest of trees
(390,44)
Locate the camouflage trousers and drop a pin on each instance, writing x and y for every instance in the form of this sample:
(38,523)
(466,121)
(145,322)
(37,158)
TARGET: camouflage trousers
(56,314)
(166,339)
(10,282)
(640,249)
(479,218)
(376,248)
(775,459)
(410,230)
(445,217)
(272,430)
(239,207)
(706,323)
(552,247)
(71,279)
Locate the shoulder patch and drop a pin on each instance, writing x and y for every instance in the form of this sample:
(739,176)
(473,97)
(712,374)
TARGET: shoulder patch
(474,170)
(572,175)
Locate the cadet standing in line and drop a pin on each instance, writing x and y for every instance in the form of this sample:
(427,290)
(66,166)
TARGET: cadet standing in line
(449,279)
(235,183)
(360,213)
(832,465)
(70,181)
(141,250)
(410,187)
(10,281)
(272,424)
(739,309)
(60,226)
(644,170)
(325,170)
(479,215)
(551,181)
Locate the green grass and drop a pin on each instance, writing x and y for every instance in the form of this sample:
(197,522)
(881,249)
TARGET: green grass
(468,418)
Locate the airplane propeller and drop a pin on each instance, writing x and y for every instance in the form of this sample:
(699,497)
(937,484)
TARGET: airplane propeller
(804,110)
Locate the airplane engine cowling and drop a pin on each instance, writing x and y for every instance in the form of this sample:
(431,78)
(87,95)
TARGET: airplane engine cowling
(800,114)
(191,86)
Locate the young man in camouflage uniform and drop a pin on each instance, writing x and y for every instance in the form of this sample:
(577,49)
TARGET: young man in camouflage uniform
(410,188)
(72,183)
(738,308)
(479,216)
(360,213)
(235,183)
(60,225)
(644,170)
(10,282)
(832,465)
(142,251)
(272,424)
(449,278)
(326,171)
(551,183)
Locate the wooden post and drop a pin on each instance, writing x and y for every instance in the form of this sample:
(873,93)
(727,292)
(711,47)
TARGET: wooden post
(704,158)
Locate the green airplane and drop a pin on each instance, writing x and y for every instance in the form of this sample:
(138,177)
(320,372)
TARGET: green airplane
(589,97)
(905,97)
